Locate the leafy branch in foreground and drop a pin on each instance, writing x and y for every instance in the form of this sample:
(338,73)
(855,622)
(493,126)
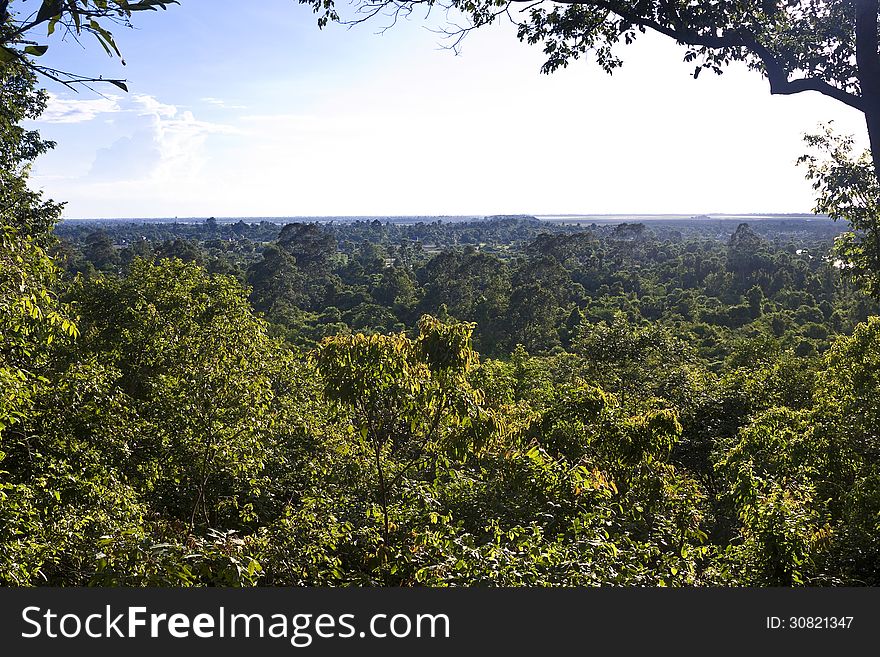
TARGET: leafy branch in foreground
(74,19)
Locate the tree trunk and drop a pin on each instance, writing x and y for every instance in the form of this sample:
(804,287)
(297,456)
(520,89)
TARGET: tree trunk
(868,63)
(872,119)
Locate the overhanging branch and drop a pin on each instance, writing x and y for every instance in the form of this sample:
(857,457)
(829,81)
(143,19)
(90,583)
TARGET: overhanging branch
(739,38)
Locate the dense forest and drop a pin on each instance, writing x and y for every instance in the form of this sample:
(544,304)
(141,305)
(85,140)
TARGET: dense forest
(505,402)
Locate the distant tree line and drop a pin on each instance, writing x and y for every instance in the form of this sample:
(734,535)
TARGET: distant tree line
(522,281)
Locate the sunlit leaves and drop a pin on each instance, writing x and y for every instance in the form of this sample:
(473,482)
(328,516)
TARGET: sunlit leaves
(847,188)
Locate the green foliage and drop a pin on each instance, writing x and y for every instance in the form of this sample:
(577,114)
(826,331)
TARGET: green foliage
(409,402)
(848,189)
(851,380)
(197,368)
(21,208)
(30,315)
(132,559)
(21,21)
(638,362)
(803,482)
(30,319)
(772,473)
(275,280)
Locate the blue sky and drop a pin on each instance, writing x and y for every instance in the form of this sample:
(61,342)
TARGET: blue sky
(248,109)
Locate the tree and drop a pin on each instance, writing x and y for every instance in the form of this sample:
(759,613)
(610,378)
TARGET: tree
(20,207)
(847,188)
(743,250)
(311,245)
(474,287)
(196,366)
(410,405)
(100,250)
(30,319)
(182,249)
(541,288)
(638,363)
(275,280)
(30,316)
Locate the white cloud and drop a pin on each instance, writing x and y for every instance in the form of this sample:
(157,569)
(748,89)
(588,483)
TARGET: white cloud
(152,107)
(69,110)
(131,157)
(179,138)
(219,102)
(278,118)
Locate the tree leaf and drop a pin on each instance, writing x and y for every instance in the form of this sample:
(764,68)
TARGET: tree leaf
(49,9)
(36,51)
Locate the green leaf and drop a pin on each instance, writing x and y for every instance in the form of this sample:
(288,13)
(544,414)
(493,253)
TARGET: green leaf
(150,4)
(103,44)
(119,83)
(7,55)
(36,51)
(105,38)
(49,9)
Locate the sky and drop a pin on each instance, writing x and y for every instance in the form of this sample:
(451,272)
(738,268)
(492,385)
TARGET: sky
(247,109)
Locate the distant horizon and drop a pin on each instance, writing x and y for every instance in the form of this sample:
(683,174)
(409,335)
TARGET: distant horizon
(462,217)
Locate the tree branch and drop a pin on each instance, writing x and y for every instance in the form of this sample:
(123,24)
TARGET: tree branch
(780,84)
(745,39)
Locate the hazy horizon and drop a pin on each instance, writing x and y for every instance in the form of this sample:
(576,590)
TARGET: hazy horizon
(606,217)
